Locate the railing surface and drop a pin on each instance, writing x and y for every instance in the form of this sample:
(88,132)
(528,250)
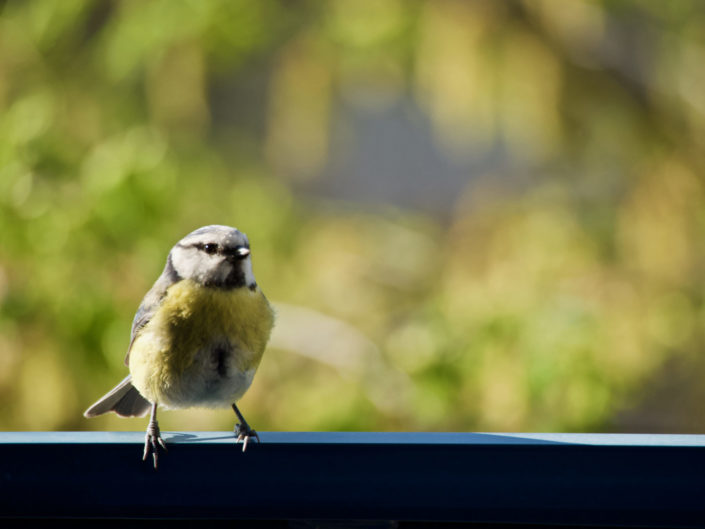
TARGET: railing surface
(567,479)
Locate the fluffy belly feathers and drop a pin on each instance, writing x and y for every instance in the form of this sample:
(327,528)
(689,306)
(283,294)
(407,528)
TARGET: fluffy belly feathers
(203,346)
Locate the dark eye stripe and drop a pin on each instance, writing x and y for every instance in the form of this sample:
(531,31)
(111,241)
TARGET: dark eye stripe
(209,248)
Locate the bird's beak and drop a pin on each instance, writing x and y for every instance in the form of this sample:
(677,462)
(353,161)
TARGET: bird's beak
(237,254)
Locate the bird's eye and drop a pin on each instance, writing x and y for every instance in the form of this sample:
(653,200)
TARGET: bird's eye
(210,248)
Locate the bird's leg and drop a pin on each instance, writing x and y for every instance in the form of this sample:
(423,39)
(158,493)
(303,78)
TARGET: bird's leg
(243,431)
(153,438)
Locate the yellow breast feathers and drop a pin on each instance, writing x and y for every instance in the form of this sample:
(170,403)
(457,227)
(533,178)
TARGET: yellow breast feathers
(190,321)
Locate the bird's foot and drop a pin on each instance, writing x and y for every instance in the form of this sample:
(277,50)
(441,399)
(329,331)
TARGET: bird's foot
(243,432)
(152,441)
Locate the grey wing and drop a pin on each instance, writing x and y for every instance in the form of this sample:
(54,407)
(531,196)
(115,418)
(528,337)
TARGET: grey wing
(151,303)
(144,314)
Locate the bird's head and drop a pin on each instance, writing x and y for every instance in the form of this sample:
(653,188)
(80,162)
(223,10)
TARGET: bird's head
(214,256)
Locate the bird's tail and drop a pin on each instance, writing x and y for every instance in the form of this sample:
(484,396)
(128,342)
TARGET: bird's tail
(123,399)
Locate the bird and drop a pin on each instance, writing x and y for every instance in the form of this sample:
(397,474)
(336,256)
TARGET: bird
(197,337)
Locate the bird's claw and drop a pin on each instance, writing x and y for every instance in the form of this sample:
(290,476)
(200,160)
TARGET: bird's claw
(245,434)
(152,441)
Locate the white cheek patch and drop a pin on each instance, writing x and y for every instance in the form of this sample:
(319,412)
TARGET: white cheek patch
(216,269)
(186,263)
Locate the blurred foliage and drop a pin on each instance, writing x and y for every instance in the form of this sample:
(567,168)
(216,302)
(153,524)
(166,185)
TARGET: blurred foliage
(550,295)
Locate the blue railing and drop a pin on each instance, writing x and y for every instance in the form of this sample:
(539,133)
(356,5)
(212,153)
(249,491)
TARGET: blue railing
(570,479)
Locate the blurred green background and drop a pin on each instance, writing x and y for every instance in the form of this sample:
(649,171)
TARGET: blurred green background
(470,215)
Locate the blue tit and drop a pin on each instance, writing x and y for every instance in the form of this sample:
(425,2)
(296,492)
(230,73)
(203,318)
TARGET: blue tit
(198,336)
